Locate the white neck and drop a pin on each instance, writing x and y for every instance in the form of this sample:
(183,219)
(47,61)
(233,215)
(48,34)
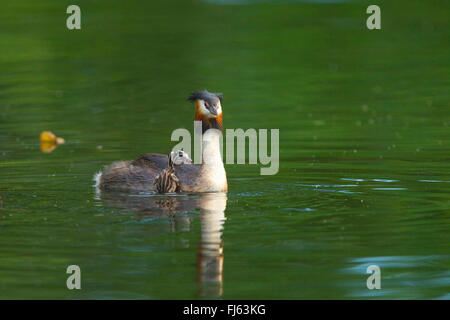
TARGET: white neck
(211,148)
(213,171)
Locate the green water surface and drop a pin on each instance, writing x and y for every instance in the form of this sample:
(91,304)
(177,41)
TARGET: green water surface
(364,173)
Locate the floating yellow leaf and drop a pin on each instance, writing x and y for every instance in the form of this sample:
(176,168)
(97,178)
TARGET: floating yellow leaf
(47,136)
(49,141)
(48,147)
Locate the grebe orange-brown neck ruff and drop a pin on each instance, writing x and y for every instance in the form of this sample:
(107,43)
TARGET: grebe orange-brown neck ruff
(152,172)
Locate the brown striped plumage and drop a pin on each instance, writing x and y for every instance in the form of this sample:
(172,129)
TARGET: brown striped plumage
(167,181)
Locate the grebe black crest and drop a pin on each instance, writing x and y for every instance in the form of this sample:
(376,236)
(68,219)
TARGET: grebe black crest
(176,172)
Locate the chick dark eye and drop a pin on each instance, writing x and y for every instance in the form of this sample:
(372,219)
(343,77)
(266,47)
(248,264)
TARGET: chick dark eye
(206,104)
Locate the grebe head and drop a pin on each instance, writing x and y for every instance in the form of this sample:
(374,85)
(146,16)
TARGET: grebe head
(208,103)
(208,109)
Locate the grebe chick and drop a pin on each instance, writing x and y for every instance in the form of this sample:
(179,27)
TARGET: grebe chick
(167,181)
(144,173)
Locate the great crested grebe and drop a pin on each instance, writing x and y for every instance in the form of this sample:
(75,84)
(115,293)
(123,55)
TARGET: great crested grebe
(155,172)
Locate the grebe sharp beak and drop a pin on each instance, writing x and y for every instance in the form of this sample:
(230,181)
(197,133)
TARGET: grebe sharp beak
(213,110)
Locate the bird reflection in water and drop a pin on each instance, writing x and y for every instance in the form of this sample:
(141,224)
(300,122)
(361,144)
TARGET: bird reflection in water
(212,206)
(210,252)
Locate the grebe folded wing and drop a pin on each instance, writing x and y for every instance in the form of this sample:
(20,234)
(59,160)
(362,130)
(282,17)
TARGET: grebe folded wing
(187,174)
(155,160)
